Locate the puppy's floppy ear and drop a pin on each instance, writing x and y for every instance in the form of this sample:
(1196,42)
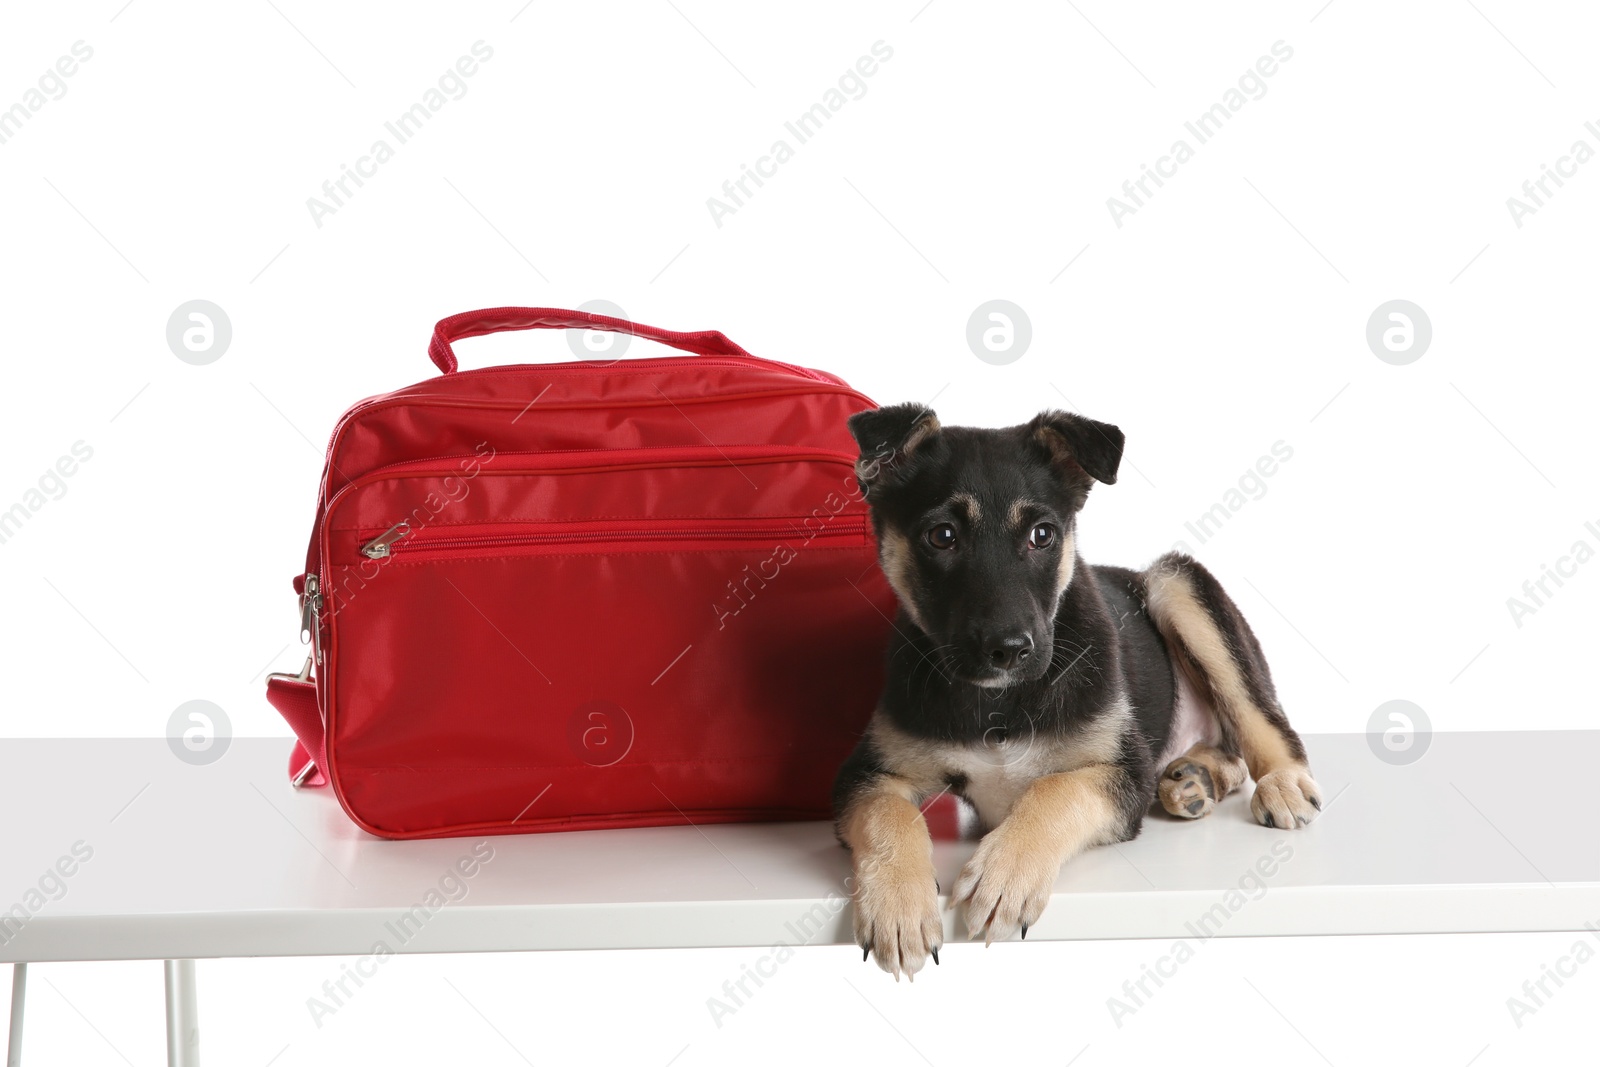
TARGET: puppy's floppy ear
(887,438)
(1077,444)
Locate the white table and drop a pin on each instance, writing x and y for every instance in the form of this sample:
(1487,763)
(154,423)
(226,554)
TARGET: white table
(1487,832)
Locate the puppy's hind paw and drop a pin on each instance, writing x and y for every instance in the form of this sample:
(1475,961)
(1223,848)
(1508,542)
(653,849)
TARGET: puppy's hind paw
(1195,783)
(1187,790)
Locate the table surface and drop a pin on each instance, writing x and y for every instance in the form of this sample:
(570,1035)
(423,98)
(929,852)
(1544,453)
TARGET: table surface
(1486,832)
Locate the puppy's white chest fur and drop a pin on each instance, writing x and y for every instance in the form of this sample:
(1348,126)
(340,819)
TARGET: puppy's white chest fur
(993,773)
(996,774)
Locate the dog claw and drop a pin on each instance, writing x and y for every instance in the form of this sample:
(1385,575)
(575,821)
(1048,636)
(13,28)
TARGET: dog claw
(866,950)
(1316,802)
(1266,820)
(935,957)
(1024,931)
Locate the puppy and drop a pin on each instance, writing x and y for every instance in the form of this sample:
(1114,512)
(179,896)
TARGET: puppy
(1057,699)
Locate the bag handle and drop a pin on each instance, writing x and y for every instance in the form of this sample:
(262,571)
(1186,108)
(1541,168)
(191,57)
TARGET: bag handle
(501,320)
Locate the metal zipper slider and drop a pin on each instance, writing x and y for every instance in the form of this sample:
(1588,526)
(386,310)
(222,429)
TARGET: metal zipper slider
(310,609)
(311,617)
(378,548)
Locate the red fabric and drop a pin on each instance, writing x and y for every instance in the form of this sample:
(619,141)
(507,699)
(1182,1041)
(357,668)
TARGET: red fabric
(632,593)
(297,703)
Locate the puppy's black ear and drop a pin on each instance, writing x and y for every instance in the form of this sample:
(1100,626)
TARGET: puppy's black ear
(1077,444)
(887,438)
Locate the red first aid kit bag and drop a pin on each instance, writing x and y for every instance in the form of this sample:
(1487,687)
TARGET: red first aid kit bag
(592,594)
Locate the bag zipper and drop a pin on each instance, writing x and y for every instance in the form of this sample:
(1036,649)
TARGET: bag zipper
(311,616)
(620,459)
(380,547)
(390,541)
(801,374)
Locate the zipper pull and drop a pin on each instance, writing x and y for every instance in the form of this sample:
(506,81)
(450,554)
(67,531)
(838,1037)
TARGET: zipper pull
(378,548)
(310,609)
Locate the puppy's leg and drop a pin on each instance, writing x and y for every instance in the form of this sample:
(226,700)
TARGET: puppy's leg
(896,912)
(1007,883)
(1217,651)
(1195,782)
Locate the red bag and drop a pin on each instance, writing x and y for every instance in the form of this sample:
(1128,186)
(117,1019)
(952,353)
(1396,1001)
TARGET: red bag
(578,595)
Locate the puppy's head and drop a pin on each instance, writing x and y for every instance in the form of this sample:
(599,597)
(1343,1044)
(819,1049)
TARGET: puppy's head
(975,528)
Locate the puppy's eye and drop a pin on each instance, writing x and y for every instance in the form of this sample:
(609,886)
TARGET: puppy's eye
(1042,536)
(942,536)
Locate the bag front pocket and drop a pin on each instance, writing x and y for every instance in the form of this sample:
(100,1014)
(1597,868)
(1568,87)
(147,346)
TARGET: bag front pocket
(490,670)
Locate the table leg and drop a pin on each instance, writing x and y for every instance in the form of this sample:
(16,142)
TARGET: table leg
(19,993)
(183,1024)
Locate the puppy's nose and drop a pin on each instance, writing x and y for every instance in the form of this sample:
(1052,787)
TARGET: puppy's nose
(1008,650)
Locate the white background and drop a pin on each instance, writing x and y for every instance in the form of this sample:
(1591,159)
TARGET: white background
(1227,314)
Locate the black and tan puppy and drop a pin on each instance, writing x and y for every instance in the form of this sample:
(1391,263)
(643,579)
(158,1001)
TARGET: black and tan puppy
(1058,699)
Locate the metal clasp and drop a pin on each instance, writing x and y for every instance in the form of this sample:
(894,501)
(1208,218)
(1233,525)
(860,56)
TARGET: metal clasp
(303,676)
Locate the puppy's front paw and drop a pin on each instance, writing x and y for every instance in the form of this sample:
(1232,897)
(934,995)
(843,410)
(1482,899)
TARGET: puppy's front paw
(897,916)
(1005,885)
(1286,799)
